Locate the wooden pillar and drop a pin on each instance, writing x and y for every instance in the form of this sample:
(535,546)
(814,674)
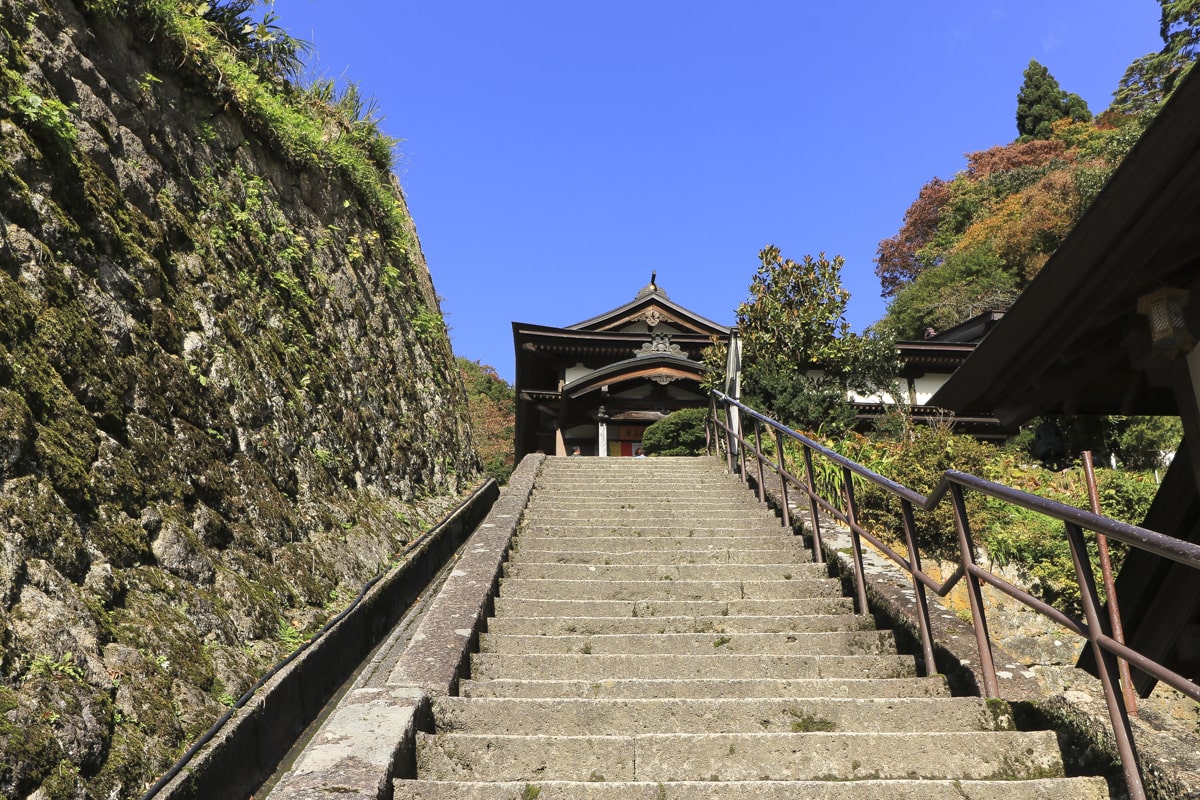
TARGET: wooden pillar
(1186,380)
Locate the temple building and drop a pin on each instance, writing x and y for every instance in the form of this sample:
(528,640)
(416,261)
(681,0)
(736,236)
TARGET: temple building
(598,384)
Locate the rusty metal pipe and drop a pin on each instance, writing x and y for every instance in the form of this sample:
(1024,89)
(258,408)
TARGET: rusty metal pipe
(1110,586)
(860,574)
(1106,662)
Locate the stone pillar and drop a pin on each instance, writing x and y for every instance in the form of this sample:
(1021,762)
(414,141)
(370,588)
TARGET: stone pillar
(602,438)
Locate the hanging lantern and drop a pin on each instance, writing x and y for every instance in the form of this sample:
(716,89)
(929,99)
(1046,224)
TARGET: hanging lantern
(1163,308)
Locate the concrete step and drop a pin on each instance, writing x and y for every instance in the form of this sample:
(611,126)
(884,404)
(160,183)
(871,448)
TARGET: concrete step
(710,688)
(1043,789)
(785,553)
(622,544)
(868,642)
(525,568)
(561,717)
(679,515)
(601,666)
(551,626)
(734,499)
(995,755)
(553,607)
(535,589)
(688,527)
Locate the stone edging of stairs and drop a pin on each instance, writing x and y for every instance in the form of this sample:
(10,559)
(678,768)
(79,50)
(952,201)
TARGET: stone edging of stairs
(348,758)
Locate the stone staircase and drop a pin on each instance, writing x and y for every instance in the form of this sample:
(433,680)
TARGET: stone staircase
(658,635)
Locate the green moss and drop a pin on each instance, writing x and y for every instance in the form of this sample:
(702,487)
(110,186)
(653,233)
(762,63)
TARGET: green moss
(158,625)
(28,748)
(803,722)
(17,312)
(66,439)
(122,540)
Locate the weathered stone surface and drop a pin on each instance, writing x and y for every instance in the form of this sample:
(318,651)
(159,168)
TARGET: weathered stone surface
(1057,789)
(995,755)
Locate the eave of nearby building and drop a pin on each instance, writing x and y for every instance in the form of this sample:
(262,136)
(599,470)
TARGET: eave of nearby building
(569,341)
(933,356)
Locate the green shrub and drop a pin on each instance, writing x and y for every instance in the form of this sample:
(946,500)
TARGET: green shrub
(918,462)
(679,434)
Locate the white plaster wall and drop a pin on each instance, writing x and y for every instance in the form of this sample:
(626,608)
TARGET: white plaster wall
(575,372)
(927,386)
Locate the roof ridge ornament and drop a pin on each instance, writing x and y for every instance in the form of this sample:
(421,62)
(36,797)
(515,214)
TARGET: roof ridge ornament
(652,288)
(660,344)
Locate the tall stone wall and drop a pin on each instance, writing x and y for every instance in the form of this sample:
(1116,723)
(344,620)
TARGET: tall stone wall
(227,397)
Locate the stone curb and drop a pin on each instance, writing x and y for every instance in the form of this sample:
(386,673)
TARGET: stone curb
(370,738)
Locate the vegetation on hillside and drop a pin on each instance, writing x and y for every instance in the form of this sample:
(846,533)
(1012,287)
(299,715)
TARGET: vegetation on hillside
(491,403)
(972,243)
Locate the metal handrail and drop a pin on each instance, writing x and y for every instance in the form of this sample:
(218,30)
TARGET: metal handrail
(1094,627)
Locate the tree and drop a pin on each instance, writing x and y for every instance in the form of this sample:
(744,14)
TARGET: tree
(898,259)
(800,358)
(969,282)
(1151,79)
(491,405)
(1041,102)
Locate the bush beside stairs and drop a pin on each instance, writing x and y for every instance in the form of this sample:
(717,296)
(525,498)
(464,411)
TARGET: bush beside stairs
(659,635)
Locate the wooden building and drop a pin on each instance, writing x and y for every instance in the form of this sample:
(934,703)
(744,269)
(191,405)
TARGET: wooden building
(925,366)
(1109,327)
(598,384)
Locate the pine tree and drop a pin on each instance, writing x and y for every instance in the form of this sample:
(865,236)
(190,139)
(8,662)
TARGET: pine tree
(1042,102)
(1149,80)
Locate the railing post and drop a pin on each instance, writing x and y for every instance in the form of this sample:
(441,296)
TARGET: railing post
(818,553)
(728,435)
(1110,587)
(914,561)
(758,455)
(741,446)
(991,686)
(783,486)
(852,515)
(1106,662)
(710,425)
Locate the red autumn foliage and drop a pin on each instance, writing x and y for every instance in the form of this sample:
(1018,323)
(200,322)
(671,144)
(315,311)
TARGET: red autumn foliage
(1035,153)
(896,261)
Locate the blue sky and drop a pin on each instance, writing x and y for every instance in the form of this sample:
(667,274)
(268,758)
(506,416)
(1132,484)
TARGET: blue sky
(555,152)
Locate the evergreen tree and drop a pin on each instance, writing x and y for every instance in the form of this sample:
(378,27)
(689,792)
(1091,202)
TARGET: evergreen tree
(1150,79)
(1042,102)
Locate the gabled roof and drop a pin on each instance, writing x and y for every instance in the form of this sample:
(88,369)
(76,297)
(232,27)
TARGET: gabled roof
(652,306)
(1073,341)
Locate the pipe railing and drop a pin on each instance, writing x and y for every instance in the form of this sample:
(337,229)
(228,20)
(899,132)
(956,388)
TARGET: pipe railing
(1094,627)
